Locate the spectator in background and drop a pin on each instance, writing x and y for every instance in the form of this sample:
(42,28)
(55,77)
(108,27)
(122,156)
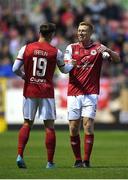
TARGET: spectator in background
(113,10)
(124,56)
(9,18)
(95,9)
(46,8)
(14,42)
(102,30)
(36,16)
(30,36)
(6,61)
(25,24)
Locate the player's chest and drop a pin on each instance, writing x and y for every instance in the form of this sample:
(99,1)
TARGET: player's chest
(85,55)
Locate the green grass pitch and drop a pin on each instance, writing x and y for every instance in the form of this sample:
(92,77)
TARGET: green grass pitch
(109,157)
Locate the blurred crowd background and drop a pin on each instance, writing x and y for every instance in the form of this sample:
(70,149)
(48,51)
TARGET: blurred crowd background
(19,25)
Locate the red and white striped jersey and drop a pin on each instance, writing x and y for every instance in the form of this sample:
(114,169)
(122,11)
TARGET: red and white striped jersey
(39,59)
(84,78)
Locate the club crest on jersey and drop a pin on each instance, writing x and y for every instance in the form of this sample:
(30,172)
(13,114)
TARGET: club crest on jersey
(93,52)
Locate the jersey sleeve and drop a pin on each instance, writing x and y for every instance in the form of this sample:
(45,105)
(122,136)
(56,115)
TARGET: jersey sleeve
(17,68)
(65,68)
(60,58)
(68,54)
(21,53)
(101,48)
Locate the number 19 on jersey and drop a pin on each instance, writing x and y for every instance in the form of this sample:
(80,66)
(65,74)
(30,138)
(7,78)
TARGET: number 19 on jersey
(39,66)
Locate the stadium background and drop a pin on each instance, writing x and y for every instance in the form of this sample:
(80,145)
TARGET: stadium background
(19,21)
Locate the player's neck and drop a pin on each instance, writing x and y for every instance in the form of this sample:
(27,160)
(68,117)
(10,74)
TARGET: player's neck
(86,43)
(42,39)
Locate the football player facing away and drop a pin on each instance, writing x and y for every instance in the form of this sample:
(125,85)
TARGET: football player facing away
(83,89)
(39,60)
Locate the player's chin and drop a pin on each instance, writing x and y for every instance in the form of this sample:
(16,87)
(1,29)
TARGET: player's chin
(80,39)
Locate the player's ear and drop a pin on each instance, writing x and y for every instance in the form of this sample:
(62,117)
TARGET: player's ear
(51,35)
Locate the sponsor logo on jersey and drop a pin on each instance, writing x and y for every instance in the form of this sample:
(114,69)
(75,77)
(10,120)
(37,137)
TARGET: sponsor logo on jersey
(93,52)
(37,81)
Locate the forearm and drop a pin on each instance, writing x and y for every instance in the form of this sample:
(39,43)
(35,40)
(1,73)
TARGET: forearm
(19,73)
(66,68)
(17,69)
(114,56)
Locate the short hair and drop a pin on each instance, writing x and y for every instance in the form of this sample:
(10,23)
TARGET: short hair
(47,28)
(87,24)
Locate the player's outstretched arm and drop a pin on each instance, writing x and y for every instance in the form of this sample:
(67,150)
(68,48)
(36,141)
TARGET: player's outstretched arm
(114,55)
(66,68)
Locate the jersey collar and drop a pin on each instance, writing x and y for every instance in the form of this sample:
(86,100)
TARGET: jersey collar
(90,44)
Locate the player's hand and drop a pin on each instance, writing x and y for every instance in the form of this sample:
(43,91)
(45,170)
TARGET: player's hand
(23,76)
(74,62)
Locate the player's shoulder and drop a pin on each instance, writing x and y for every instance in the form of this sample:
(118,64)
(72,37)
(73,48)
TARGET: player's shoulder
(100,45)
(72,45)
(51,47)
(31,45)
(96,44)
(37,44)
(22,49)
(75,44)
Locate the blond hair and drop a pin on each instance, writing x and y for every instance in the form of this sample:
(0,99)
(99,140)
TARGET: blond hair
(83,23)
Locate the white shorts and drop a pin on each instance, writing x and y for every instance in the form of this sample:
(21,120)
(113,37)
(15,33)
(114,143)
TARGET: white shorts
(82,106)
(46,108)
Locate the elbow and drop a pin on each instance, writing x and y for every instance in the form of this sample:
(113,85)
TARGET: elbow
(118,59)
(64,71)
(14,69)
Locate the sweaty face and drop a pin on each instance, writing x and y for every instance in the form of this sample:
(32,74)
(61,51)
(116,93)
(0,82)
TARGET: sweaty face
(83,33)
